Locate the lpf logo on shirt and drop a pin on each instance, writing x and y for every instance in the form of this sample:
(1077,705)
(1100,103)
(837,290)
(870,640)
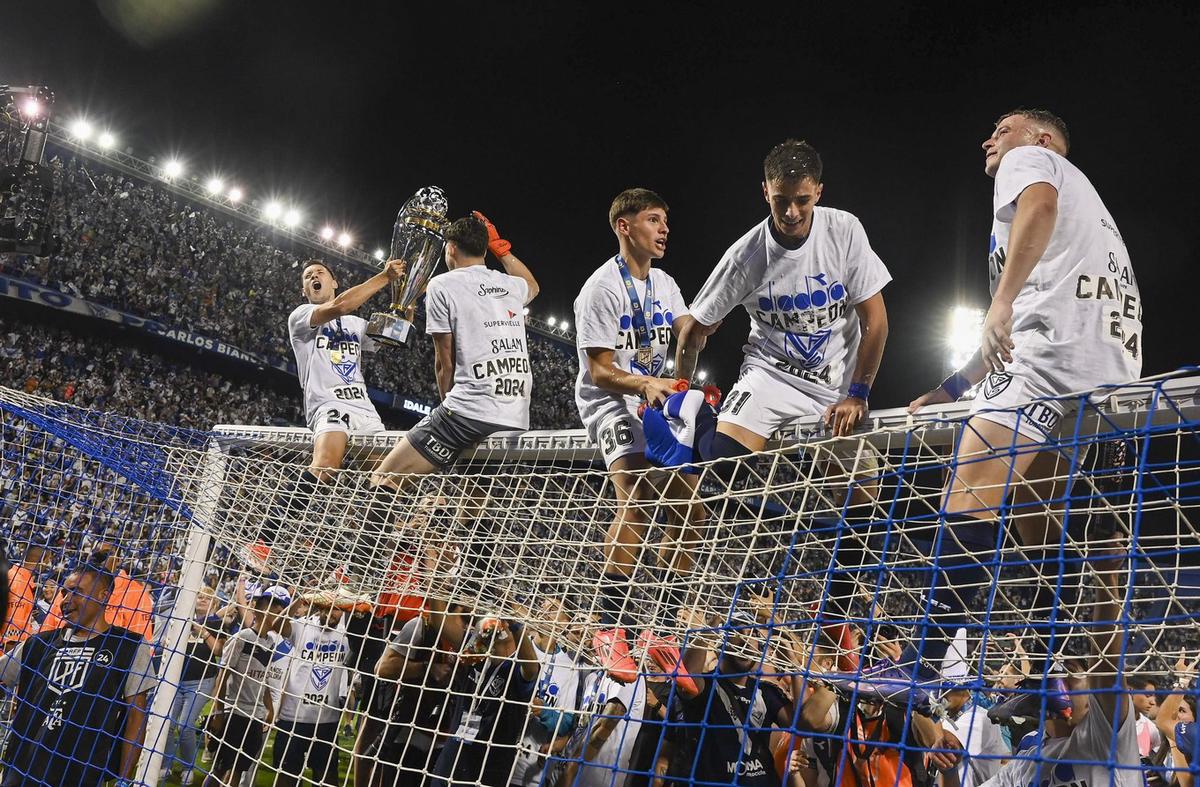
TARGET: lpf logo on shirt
(69,669)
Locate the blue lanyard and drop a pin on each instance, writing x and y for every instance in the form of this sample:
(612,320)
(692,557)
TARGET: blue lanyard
(639,310)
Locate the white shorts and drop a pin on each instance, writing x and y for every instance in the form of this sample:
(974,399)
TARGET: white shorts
(764,402)
(1005,398)
(339,418)
(618,434)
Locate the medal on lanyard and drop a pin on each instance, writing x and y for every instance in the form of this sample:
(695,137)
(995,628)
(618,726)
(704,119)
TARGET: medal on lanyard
(640,319)
(335,355)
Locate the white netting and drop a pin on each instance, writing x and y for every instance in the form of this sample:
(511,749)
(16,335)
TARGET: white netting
(517,531)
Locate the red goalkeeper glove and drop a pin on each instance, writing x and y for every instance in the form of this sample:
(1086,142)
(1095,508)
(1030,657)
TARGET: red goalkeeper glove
(712,395)
(496,245)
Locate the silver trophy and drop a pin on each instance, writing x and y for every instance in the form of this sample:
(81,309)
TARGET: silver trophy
(419,239)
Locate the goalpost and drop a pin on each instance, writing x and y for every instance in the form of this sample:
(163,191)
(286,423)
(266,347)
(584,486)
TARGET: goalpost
(516,530)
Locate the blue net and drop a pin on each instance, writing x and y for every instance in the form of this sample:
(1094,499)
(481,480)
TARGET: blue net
(816,614)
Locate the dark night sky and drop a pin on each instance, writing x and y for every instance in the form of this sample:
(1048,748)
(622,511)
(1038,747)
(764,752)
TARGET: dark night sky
(539,113)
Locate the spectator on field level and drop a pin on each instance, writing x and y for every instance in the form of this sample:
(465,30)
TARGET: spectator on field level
(24,594)
(492,686)
(314,693)
(409,745)
(242,708)
(129,605)
(207,634)
(1176,720)
(80,693)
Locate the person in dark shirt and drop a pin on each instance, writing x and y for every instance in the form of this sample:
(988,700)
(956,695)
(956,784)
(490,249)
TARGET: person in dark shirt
(80,692)
(722,731)
(493,685)
(206,640)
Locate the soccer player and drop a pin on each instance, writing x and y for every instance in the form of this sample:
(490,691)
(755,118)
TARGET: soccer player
(328,340)
(1065,317)
(812,285)
(625,317)
(481,358)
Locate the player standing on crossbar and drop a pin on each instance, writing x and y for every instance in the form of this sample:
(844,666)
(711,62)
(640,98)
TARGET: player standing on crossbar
(812,285)
(624,320)
(329,340)
(1065,317)
(481,359)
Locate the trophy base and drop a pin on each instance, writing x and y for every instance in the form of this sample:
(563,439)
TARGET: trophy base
(389,329)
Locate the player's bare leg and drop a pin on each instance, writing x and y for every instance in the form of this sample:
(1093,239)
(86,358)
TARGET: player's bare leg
(329,451)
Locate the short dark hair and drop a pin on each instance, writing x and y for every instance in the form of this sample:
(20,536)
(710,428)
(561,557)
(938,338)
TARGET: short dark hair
(792,160)
(97,567)
(1045,117)
(1140,682)
(631,202)
(309,263)
(469,234)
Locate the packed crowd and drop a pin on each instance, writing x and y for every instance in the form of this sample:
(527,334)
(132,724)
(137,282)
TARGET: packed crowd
(138,247)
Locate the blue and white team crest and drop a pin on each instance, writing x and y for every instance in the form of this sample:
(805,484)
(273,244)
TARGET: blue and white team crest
(345,370)
(807,349)
(320,677)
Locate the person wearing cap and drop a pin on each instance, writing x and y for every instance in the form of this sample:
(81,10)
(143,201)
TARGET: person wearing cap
(242,689)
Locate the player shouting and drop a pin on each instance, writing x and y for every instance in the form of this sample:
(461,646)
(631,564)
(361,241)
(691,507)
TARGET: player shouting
(1065,317)
(624,318)
(328,340)
(481,358)
(812,286)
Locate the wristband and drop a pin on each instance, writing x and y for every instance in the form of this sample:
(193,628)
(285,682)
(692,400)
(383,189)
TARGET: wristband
(955,386)
(859,391)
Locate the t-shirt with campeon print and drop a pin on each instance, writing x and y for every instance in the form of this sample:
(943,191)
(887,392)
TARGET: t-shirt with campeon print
(1078,318)
(800,301)
(485,310)
(329,361)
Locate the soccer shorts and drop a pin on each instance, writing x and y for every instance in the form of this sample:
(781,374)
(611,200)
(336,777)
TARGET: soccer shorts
(618,434)
(239,745)
(442,436)
(339,418)
(299,745)
(1022,400)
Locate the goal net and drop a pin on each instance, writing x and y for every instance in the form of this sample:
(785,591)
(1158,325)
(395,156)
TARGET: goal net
(771,605)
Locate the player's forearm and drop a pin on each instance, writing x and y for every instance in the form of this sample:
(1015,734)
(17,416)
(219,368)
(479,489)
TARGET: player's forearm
(1033,224)
(617,381)
(444,374)
(1165,721)
(349,301)
(814,711)
(514,267)
(870,352)
(687,353)
(134,736)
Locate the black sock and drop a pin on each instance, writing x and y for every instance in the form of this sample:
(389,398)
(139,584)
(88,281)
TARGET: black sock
(290,507)
(959,576)
(725,447)
(1050,599)
(614,600)
(380,510)
(672,594)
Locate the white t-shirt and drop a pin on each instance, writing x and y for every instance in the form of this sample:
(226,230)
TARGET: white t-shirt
(316,684)
(1078,319)
(979,736)
(557,689)
(1091,741)
(484,309)
(329,361)
(246,657)
(616,751)
(604,320)
(800,301)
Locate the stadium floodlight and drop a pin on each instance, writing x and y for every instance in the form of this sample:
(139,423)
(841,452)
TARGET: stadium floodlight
(292,217)
(379,255)
(670,364)
(273,210)
(214,186)
(235,194)
(31,108)
(106,141)
(702,375)
(963,333)
(525,311)
(327,233)
(552,321)
(173,168)
(564,325)
(344,240)
(81,130)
